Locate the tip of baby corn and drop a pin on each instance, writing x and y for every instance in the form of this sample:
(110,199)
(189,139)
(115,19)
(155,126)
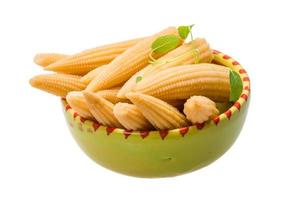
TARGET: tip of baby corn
(73,95)
(35,81)
(38,82)
(121,109)
(50,67)
(45,59)
(133,95)
(56,66)
(90,96)
(121,94)
(93,98)
(38,59)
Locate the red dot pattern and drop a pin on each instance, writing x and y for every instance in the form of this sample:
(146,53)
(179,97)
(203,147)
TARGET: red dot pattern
(127,133)
(237,105)
(216,52)
(216,120)
(183,131)
(228,114)
(226,57)
(235,63)
(109,130)
(144,134)
(244,96)
(242,71)
(82,119)
(247,88)
(200,126)
(163,134)
(96,125)
(75,115)
(246,79)
(67,107)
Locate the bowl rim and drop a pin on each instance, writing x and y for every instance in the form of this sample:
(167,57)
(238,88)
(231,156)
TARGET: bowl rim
(219,58)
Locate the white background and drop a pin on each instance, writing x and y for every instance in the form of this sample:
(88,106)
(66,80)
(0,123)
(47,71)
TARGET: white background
(40,160)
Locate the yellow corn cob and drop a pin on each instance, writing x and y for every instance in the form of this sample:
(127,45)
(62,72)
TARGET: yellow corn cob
(101,109)
(159,113)
(128,63)
(199,109)
(131,117)
(92,74)
(123,44)
(182,82)
(45,59)
(88,60)
(78,103)
(111,95)
(196,51)
(58,84)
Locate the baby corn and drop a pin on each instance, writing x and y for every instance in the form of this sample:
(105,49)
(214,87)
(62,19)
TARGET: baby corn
(159,113)
(88,60)
(92,74)
(128,63)
(58,84)
(101,109)
(45,59)
(182,82)
(78,103)
(196,51)
(111,95)
(131,117)
(199,109)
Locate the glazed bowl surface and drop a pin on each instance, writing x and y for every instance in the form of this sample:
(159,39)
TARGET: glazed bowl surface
(163,153)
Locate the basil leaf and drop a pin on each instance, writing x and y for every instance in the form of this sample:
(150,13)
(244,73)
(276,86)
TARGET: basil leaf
(184,31)
(165,43)
(236,86)
(138,79)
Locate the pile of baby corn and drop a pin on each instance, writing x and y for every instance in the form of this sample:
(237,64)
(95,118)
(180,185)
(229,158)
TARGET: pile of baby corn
(118,86)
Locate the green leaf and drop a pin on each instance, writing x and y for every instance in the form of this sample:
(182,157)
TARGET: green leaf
(138,79)
(184,31)
(165,43)
(236,86)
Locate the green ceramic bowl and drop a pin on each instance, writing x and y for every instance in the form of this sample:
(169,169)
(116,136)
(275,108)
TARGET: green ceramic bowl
(163,153)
